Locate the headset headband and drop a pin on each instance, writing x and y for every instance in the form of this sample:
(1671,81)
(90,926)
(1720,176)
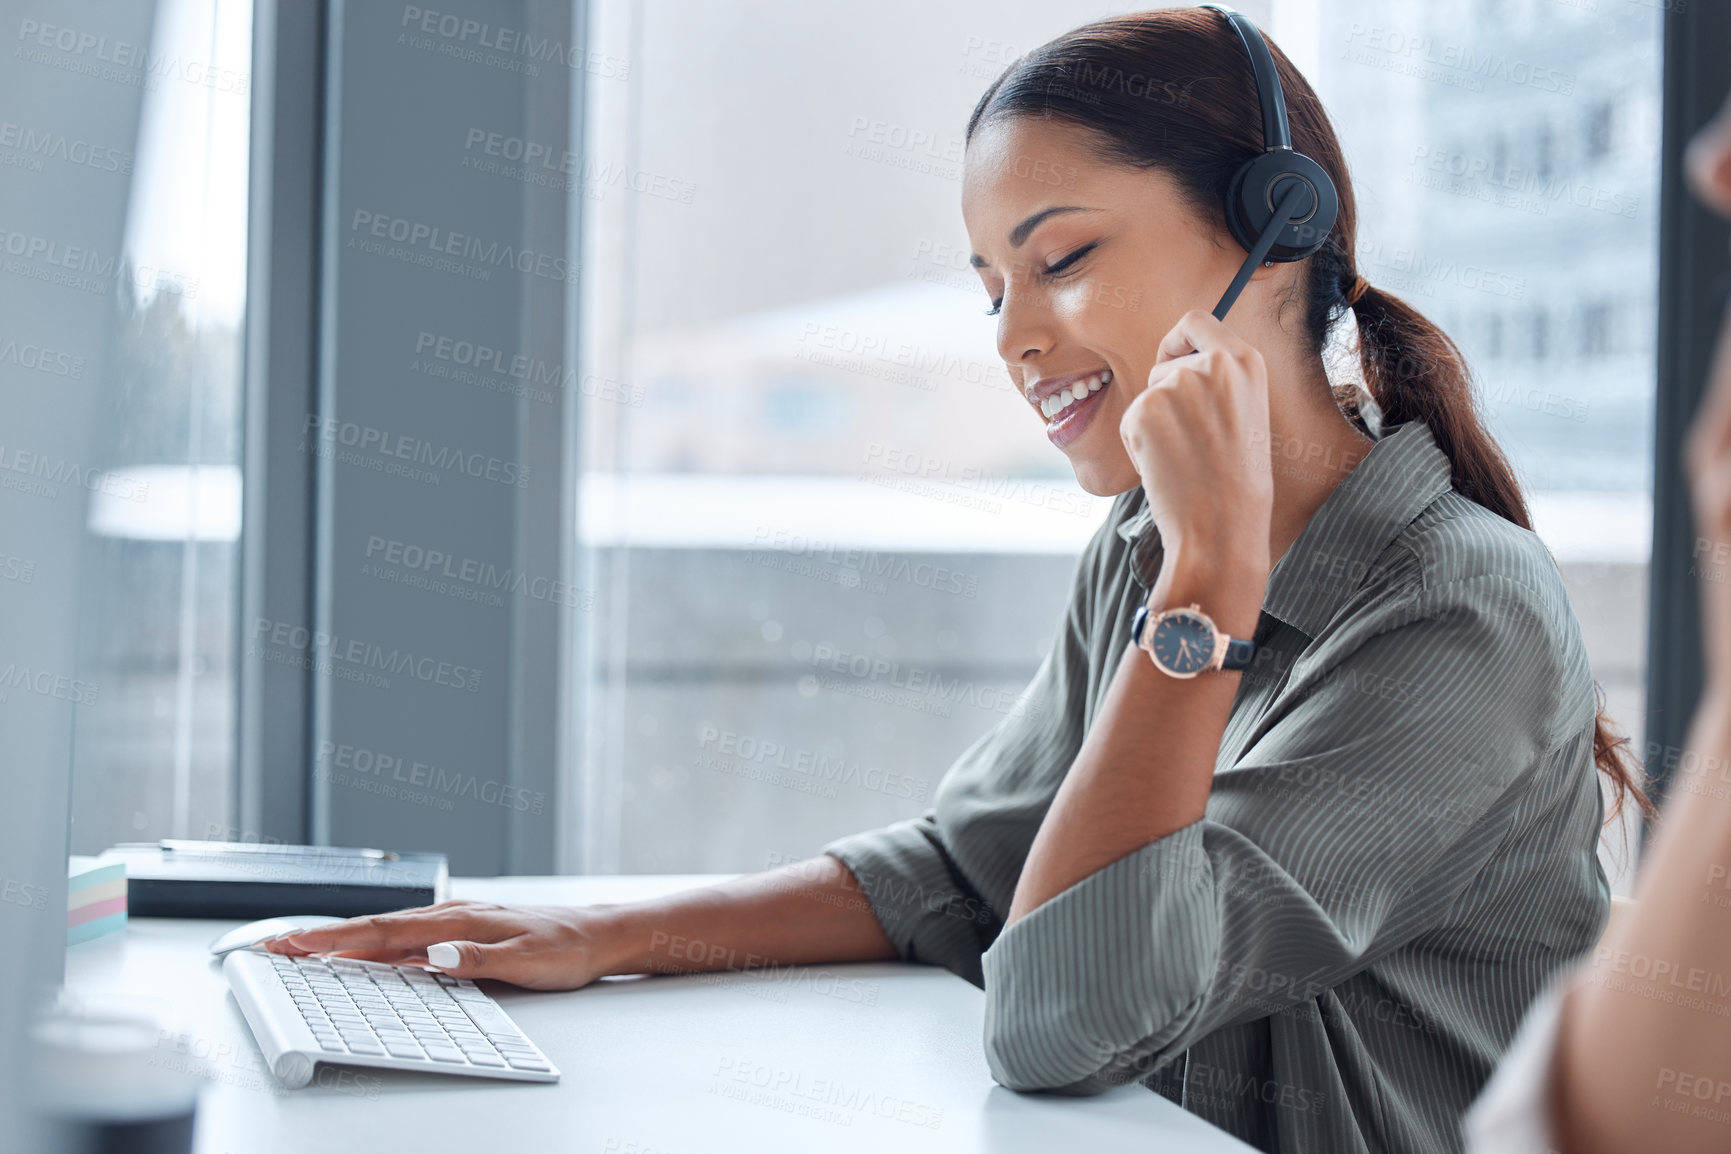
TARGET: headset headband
(1281,204)
(1276,133)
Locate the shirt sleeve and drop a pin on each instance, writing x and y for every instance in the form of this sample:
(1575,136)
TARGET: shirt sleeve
(1512,1114)
(932,908)
(1372,777)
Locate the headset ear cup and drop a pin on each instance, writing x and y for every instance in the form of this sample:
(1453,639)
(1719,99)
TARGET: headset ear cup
(1256,190)
(1235,222)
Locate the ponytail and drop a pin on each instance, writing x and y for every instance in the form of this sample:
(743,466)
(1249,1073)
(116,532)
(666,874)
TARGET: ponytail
(1170,90)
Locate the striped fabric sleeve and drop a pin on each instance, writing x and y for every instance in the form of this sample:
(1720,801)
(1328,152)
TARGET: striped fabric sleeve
(926,910)
(1399,761)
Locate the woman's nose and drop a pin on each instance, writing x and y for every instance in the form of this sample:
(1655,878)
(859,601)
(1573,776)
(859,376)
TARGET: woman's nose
(1023,331)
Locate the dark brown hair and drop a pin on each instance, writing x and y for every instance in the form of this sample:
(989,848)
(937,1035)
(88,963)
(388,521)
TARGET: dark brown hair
(1173,90)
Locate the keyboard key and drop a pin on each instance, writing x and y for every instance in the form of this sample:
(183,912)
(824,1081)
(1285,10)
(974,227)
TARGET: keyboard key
(490,1019)
(487,1060)
(372,1048)
(441,1054)
(334,1045)
(528,1063)
(403,1050)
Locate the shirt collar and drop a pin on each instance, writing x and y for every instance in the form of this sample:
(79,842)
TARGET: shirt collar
(1400,475)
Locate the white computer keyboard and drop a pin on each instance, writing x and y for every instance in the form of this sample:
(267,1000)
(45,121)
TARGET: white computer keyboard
(309,1010)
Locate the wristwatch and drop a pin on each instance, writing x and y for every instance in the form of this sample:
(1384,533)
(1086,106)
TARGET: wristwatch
(1185,642)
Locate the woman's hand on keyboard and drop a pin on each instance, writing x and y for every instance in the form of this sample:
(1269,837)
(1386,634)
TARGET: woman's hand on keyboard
(539,947)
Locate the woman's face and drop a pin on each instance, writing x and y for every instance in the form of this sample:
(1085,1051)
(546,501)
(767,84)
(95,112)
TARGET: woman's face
(1091,264)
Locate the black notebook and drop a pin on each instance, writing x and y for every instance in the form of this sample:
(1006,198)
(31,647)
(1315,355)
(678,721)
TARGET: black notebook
(216,879)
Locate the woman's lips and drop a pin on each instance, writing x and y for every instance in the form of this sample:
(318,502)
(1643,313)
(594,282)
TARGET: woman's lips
(1073,420)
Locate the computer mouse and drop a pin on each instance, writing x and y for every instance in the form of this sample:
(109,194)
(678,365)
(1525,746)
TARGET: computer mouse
(243,936)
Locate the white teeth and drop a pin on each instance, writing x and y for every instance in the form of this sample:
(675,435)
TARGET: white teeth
(1057,402)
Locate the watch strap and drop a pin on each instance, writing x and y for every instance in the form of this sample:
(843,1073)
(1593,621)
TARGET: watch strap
(1238,654)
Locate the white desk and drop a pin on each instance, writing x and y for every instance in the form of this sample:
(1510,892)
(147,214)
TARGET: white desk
(858,1058)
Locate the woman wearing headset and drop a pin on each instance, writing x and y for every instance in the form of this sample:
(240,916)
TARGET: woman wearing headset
(1307,894)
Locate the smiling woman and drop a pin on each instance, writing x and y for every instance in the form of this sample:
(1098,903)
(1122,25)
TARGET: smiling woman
(1299,812)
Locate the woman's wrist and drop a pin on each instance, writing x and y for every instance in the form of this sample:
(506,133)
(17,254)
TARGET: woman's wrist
(1228,585)
(620,938)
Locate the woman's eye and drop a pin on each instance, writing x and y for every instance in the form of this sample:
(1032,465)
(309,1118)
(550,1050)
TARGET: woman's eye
(1057,269)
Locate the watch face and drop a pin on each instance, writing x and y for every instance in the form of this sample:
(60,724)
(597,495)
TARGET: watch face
(1183,643)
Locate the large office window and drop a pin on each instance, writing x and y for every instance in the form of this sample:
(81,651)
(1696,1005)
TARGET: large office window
(820,546)
(154,750)
(830,543)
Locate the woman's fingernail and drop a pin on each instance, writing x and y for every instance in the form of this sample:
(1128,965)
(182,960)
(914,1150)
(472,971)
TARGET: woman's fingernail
(444,955)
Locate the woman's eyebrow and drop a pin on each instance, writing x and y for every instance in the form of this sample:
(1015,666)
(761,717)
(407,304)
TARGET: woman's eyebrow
(1019,235)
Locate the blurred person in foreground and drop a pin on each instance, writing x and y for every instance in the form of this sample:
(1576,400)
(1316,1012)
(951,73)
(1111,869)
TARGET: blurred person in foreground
(1631,1050)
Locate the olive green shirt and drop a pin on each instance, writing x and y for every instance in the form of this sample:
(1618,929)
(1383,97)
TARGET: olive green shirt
(1398,850)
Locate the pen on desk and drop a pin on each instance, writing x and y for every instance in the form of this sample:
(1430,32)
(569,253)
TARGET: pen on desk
(170,845)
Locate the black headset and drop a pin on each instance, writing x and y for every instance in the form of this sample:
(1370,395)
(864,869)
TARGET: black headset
(1281,205)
